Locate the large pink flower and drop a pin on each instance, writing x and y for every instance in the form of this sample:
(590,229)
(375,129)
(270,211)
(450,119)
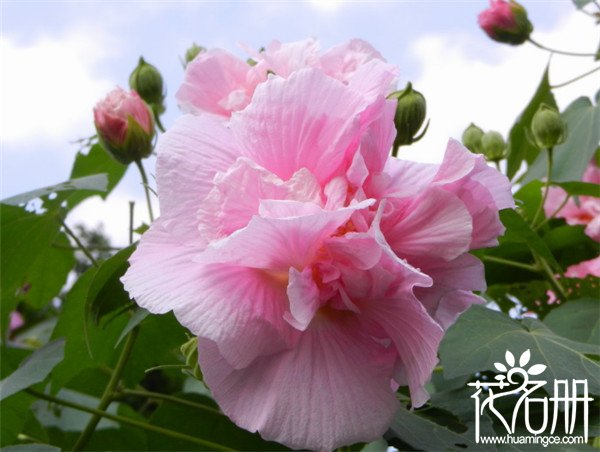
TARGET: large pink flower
(318,272)
(219,83)
(585,211)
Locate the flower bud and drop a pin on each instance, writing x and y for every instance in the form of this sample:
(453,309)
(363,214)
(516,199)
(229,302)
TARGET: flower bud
(148,83)
(190,351)
(471,138)
(410,114)
(547,127)
(506,22)
(193,52)
(493,146)
(124,125)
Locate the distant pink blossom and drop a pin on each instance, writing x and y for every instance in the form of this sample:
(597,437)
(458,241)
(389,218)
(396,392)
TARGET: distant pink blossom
(506,21)
(318,272)
(15,321)
(583,269)
(219,83)
(586,211)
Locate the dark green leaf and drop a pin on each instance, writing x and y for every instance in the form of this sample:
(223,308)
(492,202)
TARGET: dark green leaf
(533,295)
(517,230)
(106,292)
(97,183)
(14,414)
(203,424)
(36,258)
(481,337)
(579,188)
(570,245)
(71,325)
(578,320)
(425,434)
(520,149)
(32,447)
(528,198)
(34,370)
(572,157)
(96,161)
(581,3)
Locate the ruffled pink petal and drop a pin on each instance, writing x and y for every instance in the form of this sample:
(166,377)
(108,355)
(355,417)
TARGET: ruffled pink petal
(307,121)
(374,78)
(303,295)
(436,223)
(342,61)
(301,397)
(224,210)
(190,153)
(277,244)
(221,302)
(215,82)
(448,297)
(285,58)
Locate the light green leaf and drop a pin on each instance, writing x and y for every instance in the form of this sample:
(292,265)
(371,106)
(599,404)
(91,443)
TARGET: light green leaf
(97,182)
(578,320)
(425,434)
(481,336)
(138,317)
(33,370)
(572,157)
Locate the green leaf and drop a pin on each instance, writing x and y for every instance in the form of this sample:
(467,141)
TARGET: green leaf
(425,434)
(32,447)
(138,317)
(203,424)
(97,183)
(572,157)
(380,445)
(34,370)
(528,198)
(96,161)
(581,3)
(520,149)
(570,244)
(481,337)
(26,238)
(517,230)
(14,414)
(71,325)
(578,320)
(531,294)
(579,188)
(106,292)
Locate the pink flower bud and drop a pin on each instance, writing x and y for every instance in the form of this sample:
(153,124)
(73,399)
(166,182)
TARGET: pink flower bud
(125,125)
(506,22)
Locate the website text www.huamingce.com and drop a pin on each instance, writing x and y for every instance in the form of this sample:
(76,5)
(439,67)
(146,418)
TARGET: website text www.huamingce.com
(543,440)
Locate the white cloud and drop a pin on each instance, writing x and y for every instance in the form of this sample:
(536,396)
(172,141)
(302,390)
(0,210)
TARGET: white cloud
(326,5)
(462,86)
(47,87)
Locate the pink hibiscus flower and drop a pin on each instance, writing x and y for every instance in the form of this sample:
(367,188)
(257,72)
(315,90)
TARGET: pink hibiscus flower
(586,211)
(318,272)
(219,83)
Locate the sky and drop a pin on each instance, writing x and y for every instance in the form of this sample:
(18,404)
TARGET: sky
(59,58)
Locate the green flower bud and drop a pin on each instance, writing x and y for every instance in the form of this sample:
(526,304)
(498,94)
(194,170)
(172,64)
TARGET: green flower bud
(547,127)
(190,351)
(410,115)
(471,138)
(147,81)
(493,146)
(193,52)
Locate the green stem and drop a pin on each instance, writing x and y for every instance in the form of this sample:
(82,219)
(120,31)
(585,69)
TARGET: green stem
(131,207)
(128,421)
(546,186)
(561,294)
(108,391)
(146,188)
(561,52)
(167,398)
(80,245)
(579,77)
(499,260)
(395,149)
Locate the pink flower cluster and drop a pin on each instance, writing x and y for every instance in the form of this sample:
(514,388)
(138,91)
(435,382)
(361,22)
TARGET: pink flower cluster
(318,272)
(586,211)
